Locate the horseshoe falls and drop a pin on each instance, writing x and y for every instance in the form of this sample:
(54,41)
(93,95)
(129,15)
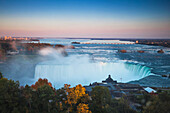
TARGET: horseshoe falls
(81,71)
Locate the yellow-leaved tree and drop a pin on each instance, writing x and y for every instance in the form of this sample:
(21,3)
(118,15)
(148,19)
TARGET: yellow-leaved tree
(83,108)
(75,96)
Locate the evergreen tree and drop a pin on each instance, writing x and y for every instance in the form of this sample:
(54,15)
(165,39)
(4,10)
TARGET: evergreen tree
(101,99)
(10,100)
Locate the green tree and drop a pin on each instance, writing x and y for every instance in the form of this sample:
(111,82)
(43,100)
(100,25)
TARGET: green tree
(123,106)
(1,76)
(43,99)
(61,98)
(160,104)
(27,95)
(10,100)
(101,99)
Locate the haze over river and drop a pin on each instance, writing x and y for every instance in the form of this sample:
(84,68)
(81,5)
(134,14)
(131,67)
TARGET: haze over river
(88,63)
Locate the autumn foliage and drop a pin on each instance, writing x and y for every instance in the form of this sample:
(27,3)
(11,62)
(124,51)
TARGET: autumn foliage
(41,82)
(42,98)
(83,108)
(76,95)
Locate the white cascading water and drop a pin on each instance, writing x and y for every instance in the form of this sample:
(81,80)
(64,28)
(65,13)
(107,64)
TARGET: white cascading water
(77,69)
(138,69)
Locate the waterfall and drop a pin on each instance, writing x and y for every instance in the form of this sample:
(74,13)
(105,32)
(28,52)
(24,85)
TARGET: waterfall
(81,71)
(138,70)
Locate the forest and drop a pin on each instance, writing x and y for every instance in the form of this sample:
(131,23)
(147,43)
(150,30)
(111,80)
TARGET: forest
(42,97)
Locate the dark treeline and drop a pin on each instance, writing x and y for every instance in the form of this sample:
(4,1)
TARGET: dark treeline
(16,47)
(155,42)
(28,47)
(41,97)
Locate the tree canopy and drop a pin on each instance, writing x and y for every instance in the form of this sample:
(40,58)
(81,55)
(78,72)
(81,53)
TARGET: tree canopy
(41,97)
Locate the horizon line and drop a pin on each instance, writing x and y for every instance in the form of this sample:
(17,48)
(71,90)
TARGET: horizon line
(90,37)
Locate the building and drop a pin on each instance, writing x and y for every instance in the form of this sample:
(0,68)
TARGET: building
(117,90)
(109,80)
(150,90)
(14,38)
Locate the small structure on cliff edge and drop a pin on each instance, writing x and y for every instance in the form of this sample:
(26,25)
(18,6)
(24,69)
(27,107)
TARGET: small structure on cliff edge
(117,90)
(109,80)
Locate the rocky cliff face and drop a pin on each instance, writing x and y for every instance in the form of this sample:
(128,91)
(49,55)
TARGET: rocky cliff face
(140,51)
(122,51)
(160,51)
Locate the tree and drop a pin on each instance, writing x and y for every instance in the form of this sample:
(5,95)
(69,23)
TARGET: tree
(41,82)
(43,99)
(27,94)
(101,99)
(10,100)
(1,76)
(61,98)
(83,108)
(159,104)
(123,106)
(75,95)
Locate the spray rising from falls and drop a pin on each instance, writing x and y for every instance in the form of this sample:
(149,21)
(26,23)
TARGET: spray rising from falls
(77,69)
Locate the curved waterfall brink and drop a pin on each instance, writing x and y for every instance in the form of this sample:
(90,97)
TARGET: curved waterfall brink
(81,71)
(138,70)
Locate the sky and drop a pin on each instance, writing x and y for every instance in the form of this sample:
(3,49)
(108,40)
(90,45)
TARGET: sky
(85,18)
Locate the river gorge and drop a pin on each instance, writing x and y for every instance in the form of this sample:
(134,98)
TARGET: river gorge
(87,63)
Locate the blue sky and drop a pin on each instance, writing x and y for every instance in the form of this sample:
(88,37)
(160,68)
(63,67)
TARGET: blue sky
(85,18)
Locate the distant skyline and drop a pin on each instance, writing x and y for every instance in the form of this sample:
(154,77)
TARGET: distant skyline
(85,18)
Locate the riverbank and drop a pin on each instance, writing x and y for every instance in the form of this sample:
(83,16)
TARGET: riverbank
(153,81)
